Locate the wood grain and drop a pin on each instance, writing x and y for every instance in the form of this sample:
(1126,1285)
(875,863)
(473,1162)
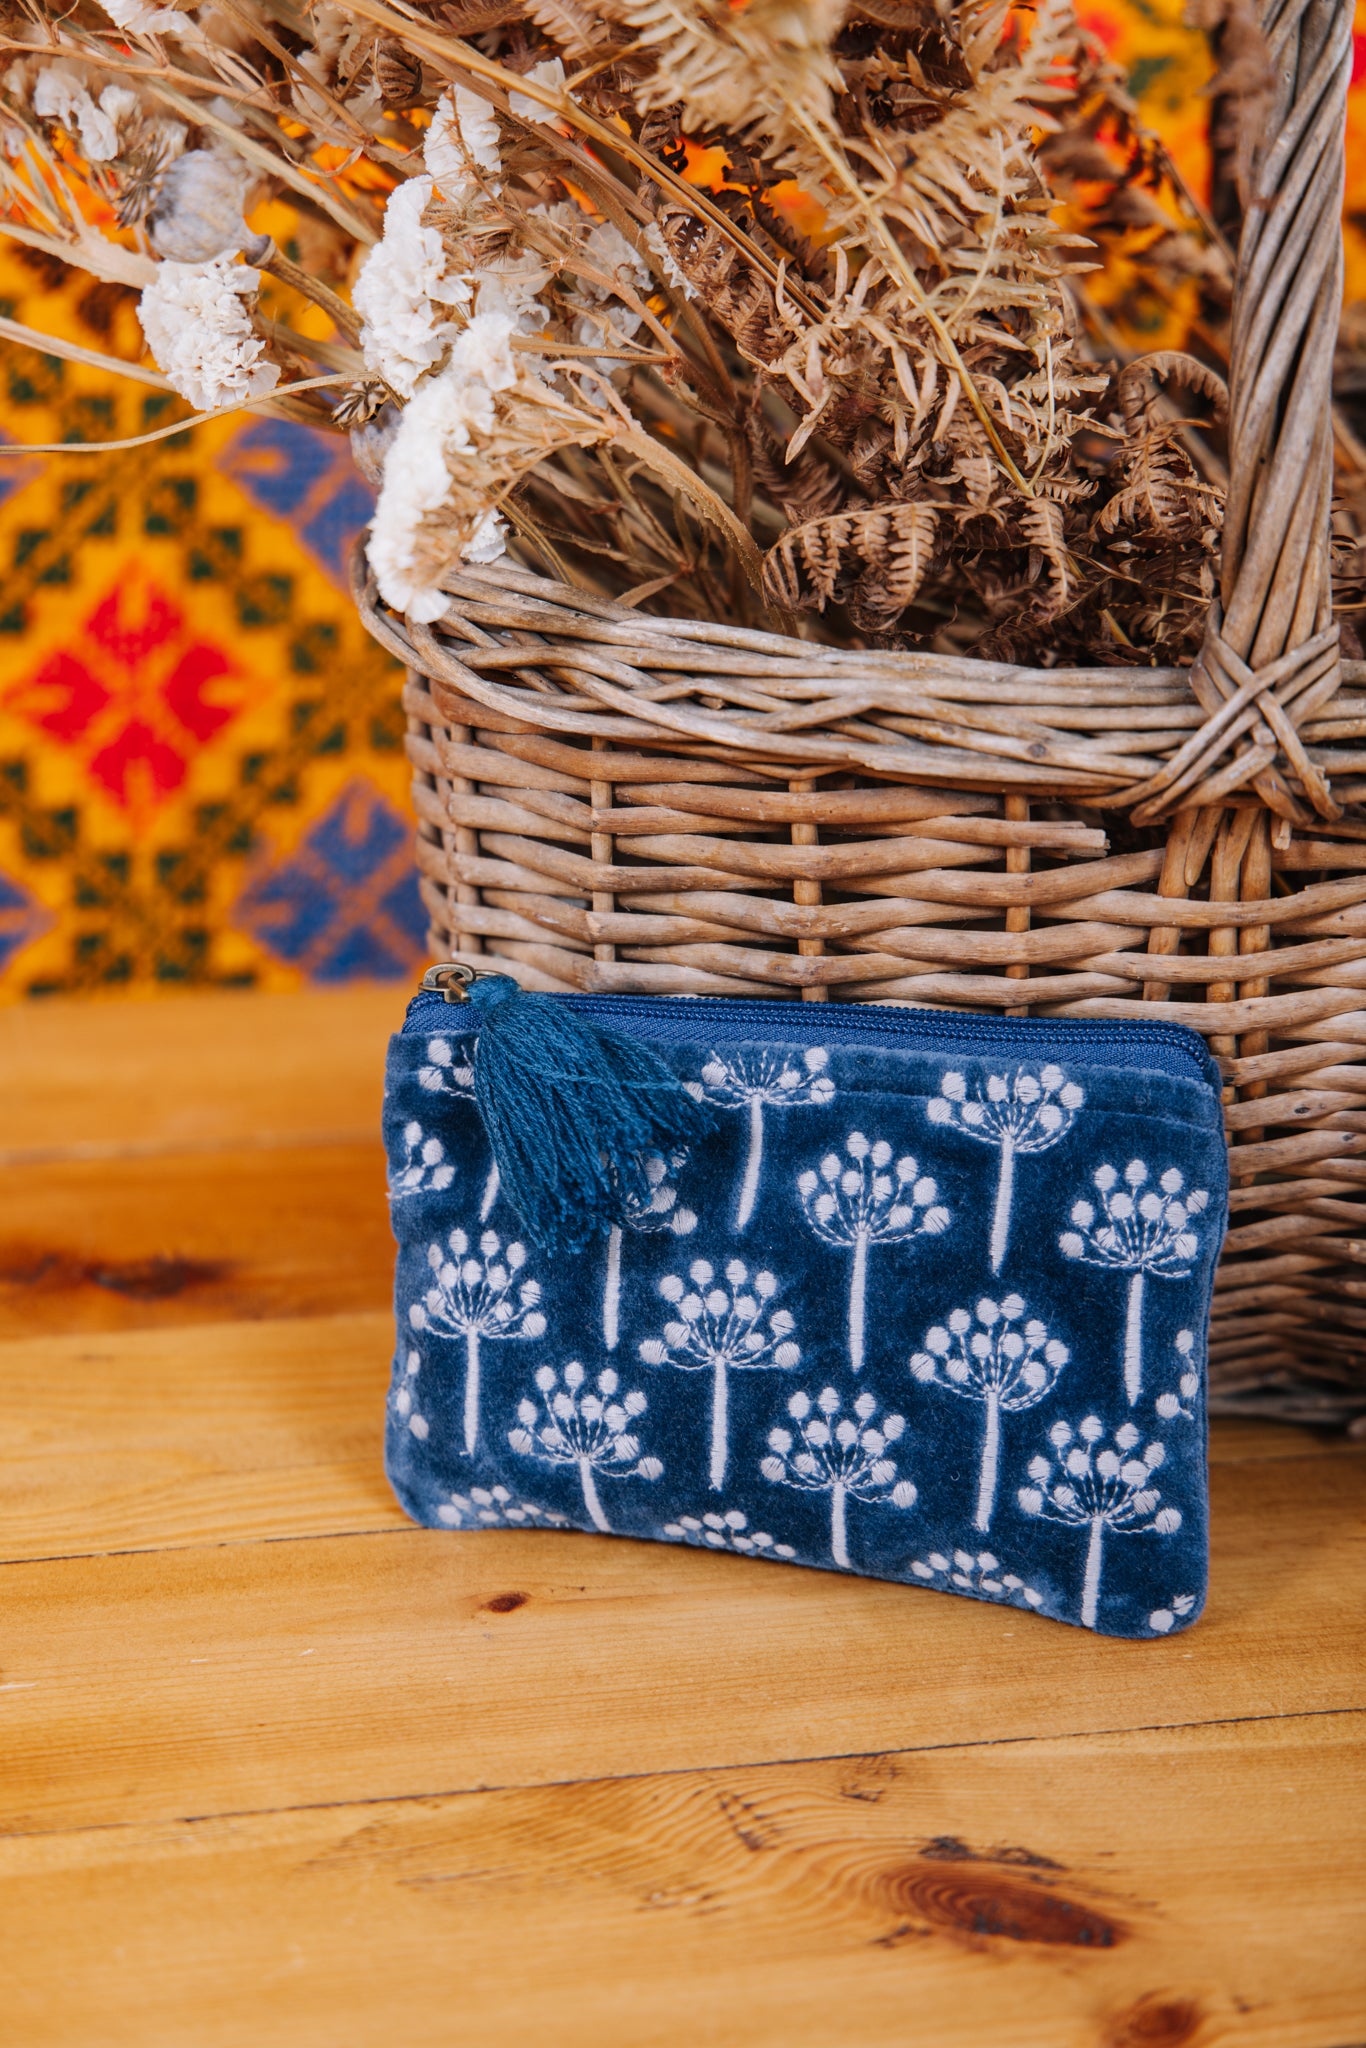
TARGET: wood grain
(218,1434)
(1236,1439)
(212,1235)
(1180,1888)
(249,1716)
(233,1432)
(96,1080)
(251,1675)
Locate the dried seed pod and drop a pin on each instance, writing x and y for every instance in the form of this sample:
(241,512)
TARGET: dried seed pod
(137,181)
(398,74)
(360,402)
(198,211)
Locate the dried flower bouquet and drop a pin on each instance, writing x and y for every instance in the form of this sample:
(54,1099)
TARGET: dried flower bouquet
(745,312)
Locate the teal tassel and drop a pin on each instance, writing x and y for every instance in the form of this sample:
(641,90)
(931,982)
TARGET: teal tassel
(572,1112)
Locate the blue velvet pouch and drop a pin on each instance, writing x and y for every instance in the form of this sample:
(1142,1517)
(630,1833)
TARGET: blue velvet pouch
(926,1299)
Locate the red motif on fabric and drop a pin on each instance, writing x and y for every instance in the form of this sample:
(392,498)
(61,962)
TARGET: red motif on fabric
(135,693)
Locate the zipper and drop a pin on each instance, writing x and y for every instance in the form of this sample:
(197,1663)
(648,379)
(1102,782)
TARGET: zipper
(885,1027)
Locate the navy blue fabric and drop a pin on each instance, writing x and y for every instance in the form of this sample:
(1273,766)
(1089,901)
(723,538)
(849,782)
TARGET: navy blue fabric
(937,1319)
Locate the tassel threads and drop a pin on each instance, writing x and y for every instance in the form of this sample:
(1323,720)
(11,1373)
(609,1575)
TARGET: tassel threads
(571,1113)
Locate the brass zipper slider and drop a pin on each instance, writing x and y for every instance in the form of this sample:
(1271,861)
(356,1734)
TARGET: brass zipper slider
(451,979)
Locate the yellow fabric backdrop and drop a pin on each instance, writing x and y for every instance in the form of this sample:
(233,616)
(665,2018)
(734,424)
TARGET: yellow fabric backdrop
(201,769)
(202,779)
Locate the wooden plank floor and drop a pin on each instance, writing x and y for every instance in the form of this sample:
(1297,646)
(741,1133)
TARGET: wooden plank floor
(278,1770)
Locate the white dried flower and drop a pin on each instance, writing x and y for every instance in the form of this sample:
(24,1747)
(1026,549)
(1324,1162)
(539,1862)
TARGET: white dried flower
(136,18)
(483,354)
(551,75)
(607,249)
(462,140)
(608,252)
(330,31)
(121,105)
(668,262)
(309,105)
(488,541)
(334,41)
(509,285)
(443,418)
(195,318)
(402,336)
(226,110)
(60,94)
(416,483)
(198,211)
(606,328)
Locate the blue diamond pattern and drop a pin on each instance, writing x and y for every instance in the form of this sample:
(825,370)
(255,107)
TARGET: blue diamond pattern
(344,906)
(307,477)
(22,918)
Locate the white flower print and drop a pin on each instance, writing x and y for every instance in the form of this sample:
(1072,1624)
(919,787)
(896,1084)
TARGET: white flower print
(1018,1113)
(844,1456)
(1098,1490)
(726,1531)
(1006,1363)
(980,1574)
(717,1327)
(494,1507)
(449,1070)
(1141,1230)
(403,1398)
(756,1080)
(863,1200)
(1170,1405)
(1164,1619)
(660,1210)
(472,1296)
(425,1168)
(590,1430)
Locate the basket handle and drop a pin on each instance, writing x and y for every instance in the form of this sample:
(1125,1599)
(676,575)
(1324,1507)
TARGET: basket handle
(1270,641)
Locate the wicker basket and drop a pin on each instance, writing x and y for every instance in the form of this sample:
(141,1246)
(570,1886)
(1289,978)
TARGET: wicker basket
(620,802)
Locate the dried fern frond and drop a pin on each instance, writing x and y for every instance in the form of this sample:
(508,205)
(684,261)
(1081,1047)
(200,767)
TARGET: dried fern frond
(809,488)
(1241,93)
(644,288)
(1138,384)
(1160,493)
(766,68)
(1044,528)
(873,559)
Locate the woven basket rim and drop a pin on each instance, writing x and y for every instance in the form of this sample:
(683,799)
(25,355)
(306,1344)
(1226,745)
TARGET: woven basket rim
(971,740)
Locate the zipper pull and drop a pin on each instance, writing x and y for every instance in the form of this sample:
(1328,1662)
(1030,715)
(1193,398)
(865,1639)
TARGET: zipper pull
(572,1111)
(451,980)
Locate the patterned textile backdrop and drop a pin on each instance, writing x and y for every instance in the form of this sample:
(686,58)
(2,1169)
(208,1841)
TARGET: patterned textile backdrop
(202,780)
